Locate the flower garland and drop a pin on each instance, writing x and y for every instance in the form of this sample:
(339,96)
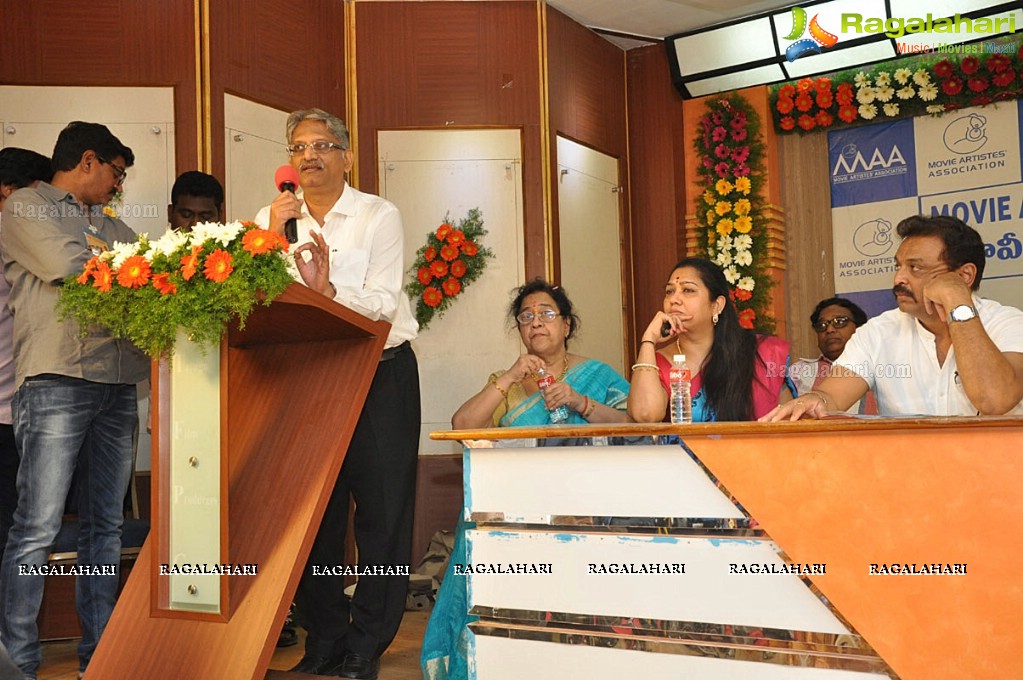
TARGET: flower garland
(451,259)
(145,290)
(731,168)
(901,89)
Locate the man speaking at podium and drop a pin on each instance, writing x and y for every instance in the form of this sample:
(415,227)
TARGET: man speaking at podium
(350,247)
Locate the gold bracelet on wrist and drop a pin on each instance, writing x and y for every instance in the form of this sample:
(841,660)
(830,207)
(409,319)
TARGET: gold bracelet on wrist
(824,399)
(493,381)
(590,409)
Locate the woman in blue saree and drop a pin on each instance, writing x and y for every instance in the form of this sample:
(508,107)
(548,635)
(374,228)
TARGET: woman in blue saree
(593,392)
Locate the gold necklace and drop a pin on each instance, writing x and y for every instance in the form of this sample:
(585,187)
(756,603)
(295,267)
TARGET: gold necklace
(564,370)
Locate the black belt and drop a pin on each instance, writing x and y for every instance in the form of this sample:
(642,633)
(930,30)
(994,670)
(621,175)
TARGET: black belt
(392,352)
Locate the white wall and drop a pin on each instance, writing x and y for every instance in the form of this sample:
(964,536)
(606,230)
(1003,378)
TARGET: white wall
(430,173)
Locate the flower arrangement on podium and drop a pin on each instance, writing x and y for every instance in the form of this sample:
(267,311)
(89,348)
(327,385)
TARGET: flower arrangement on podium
(446,264)
(197,281)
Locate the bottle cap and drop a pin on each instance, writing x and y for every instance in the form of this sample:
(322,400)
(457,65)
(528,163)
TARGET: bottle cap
(679,358)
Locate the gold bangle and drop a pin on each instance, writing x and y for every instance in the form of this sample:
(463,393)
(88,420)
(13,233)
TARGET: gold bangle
(645,365)
(824,400)
(650,341)
(590,409)
(493,381)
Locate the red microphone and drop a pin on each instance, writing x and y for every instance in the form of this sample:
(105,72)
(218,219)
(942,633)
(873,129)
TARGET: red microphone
(286,179)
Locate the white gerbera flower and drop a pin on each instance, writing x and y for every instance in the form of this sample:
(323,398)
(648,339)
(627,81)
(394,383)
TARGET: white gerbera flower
(724,243)
(724,258)
(921,77)
(171,240)
(928,92)
(867,111)
(743,258)
(883,94)
(906,92)
(902,75)
(746,283)
(731,275)
(121,252)
(861,79)
(891,109)
(935,108)
(866,95)
(883,79)
(743,242)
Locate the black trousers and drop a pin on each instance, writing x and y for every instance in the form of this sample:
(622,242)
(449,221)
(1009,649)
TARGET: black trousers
(379,472)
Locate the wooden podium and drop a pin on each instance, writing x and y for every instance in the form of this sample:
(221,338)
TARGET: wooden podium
(292,386)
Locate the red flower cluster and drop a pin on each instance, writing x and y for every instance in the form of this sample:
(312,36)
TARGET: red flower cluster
(441,275)
(993,79)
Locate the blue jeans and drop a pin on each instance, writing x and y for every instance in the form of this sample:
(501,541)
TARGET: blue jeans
(61,422)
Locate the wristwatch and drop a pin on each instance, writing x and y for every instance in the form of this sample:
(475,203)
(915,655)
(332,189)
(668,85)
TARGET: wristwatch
(962,313)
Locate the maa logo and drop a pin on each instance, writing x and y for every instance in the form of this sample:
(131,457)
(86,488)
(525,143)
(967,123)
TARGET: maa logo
(851,161)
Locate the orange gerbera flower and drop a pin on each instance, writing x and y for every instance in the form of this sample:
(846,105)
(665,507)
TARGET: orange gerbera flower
(439,268)
(742,294)
(442,231)
(190,262)
(469,248)
(218,266)
(90,267)
(452,287)
(456,236)
(432,297)
(259,241)
(430,253)
(746,318)
(162,283)
(103,277)
(134,272)
(458,268)
(449,252)
(424,275)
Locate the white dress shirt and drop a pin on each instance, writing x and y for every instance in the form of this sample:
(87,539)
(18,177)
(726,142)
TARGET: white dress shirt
(367,258)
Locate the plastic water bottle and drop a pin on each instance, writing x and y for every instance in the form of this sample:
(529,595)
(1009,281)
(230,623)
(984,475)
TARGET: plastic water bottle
(681,399)
(543,381)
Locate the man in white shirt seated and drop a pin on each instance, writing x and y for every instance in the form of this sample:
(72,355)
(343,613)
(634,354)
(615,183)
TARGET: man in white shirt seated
(943,352)
(834,320)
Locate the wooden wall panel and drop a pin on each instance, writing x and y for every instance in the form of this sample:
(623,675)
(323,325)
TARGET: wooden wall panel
(106,43)
(586,102)
(288,57)
(657,148)
(806,197)
(586,86)
(453,64)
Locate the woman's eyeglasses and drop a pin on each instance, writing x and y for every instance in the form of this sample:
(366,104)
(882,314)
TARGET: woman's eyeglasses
(546,316)
(837,322)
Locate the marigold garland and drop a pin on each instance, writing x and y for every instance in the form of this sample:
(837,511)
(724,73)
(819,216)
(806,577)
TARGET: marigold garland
(445,265)
(145,290)
(730,153)
(929,83)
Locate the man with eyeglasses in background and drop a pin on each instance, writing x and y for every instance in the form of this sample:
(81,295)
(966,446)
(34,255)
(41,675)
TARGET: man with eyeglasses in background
(75,403)
(834,320)
(350,248)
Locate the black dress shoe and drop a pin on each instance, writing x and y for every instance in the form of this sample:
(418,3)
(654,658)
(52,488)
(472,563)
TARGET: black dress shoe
(288,637)
(358,667)
(317,664)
